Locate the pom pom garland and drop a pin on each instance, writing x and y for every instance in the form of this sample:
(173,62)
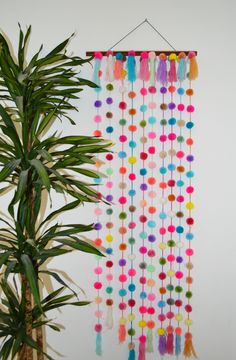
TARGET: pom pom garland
(147,110)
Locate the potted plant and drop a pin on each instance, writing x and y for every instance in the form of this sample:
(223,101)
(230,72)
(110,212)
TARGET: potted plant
(34,164)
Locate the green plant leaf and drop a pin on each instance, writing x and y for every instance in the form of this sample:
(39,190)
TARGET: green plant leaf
(41,172)
(21,185)
(9,168)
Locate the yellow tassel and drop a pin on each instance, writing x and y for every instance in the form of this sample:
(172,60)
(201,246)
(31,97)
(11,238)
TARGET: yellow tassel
(189,350)
(193,67)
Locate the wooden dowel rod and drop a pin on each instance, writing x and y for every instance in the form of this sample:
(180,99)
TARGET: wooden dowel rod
(138,52)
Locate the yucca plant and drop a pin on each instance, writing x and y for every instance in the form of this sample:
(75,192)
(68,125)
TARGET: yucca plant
(34,163)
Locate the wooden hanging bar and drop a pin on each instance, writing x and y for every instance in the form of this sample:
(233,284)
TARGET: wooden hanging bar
(138,52)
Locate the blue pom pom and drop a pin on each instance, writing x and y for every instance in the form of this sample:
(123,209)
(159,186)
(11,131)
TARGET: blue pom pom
(97,180)
(172,121)
(189,236)
(132,192)
(122,154)
(109,251)
(132,144)
(143,108)
(143,172)
(190,174)
(109,129)
(180,91)
(161,304)
(179,229)
(152,120)
(189,125)
(119,56)
(171,167)
(180,183)
(163,170)
(143,295)
(151,223)
(131,287)
(122,292)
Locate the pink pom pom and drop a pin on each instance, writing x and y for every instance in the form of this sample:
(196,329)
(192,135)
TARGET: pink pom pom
(191,54)
(98,55)
(131,52)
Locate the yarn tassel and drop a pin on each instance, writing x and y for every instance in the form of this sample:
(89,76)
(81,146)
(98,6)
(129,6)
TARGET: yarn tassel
(97,71)
(172,76)
(142,351)
(131,354)
(177,344)
(152,66)
(110,66)
(181,72)
(122,333)
(193,67)
(109,320)
(144,73)
(150,348)
(99,343)
(162,344)
(189,350)
(162,69)
(131,65)
(118,67)
(170,344)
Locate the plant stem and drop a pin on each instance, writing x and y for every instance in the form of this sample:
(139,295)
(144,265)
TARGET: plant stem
(39,337)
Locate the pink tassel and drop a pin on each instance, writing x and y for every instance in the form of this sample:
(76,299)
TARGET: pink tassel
(122,333)
(170,344)
(118,67)
(142,351)
(172,76)
(144,73)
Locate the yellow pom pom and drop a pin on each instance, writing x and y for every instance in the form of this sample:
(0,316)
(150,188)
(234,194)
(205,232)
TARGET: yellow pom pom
(162,246)
(131,317)
(161,331)
(188,322)
(172,57)
(178,317)
(122,321)
(190,206)
(132,160)
(170,273)
(109,238)
(142,323)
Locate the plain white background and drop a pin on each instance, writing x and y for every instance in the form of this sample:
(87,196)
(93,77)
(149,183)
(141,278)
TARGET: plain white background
(209,27)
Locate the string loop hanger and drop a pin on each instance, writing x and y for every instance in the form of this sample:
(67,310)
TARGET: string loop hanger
(145,21)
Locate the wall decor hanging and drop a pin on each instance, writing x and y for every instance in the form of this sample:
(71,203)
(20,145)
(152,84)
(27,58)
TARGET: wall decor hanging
(144,104)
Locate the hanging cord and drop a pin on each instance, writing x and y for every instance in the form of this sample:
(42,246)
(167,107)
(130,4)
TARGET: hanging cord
(138,26)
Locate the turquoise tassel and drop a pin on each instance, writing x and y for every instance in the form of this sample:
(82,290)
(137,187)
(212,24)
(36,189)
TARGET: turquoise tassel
(181,73)
(131,354)
(150,348)
(99,344)
(131,66)
(177,345)
(96,78)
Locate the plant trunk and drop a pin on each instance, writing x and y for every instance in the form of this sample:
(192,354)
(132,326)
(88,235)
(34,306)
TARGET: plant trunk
(26,352)
(39,337)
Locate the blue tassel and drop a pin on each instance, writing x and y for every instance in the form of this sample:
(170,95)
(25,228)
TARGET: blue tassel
(131,354)
(177,344)
(99,343)
(181,73)
(131,66)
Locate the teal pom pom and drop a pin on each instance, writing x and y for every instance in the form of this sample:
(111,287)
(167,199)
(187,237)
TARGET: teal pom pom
(119,56)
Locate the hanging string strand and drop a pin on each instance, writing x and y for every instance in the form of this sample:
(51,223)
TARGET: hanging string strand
(145,21)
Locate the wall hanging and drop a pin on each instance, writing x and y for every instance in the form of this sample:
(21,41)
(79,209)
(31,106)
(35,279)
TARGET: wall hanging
(144,104)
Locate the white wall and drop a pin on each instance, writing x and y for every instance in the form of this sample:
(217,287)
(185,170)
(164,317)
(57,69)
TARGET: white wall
(209,27)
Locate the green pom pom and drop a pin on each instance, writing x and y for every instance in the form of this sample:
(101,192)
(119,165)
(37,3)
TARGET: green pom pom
(143,123)
(131,241)
(122,216)
(180,138)
(122,122)
(178,289)
(109,211)
(170,287)
(109,87)
(171,243)
(163,122)
(109,290)
(131,332)
(189,294)
(162,261)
